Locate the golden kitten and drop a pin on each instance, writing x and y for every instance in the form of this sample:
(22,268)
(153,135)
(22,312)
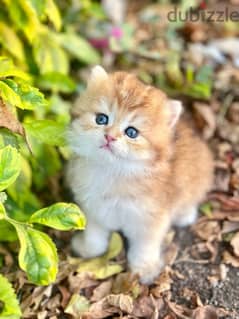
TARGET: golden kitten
(137,168)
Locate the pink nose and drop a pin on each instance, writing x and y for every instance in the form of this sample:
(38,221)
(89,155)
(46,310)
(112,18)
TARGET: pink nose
(109,138)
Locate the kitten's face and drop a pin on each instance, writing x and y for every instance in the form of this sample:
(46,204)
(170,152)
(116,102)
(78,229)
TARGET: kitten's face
(119,118)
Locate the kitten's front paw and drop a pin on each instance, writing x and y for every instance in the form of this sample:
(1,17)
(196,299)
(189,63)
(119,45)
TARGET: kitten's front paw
(147,272)
(85,248)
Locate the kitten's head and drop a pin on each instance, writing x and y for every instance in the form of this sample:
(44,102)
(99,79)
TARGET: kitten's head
(118,118)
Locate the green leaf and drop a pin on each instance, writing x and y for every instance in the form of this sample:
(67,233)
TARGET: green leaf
(11,42)
(49,55)
(29,96)
(60,216)
(206,209)
(38,6)
(2,209)
(47,131)
(10,166)
(22,206)
(43,169)
(7,68)
(7,232)
(79,48)
(38,256)
(61,108)
(53,14)
(11,309)
(8,138)
(57,82)
(24,180)
(102,267)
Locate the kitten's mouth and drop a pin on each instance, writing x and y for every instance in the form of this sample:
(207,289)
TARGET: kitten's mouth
(107,146)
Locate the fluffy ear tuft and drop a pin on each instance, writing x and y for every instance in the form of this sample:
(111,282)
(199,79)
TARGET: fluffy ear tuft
(98,73)
(175,108)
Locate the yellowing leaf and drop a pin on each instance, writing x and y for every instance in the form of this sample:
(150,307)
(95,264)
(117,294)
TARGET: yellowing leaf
(7,68)
(115,246)
(29,97)
(24,17)
(77,305)
(49,55)
(8,297)
(8,95)
(60,216)
(10,165)
(102,267)
(2,210)
(11,42)
(53,14)
(38,256)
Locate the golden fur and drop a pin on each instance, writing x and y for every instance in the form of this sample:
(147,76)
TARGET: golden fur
(152,181)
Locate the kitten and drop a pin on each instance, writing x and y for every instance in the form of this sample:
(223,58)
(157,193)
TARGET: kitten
(137,168)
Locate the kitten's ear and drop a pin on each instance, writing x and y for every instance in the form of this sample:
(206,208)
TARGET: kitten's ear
(98,74)
(175,110)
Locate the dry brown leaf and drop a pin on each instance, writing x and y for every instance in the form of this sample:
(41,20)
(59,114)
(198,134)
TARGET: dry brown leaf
(229,226)
(145,306)
(109,305)
(80,281)
(8,259)
(207,118)
(181,311)
(227,203)
(65,295)
(192,297)
(205,312)
(223,270)
(127,283)
(235,244)
(171,254)
(163,283)
(31,304)
(9,121)
(52,303)
(171,316)
(102,291)
(230,259)
(207,229)
(121,301)
(101,309)
(42,314)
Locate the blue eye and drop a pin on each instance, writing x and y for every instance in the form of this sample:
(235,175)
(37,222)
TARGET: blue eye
(101,119)
(131,132)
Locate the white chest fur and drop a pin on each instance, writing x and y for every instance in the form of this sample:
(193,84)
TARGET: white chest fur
(96,190)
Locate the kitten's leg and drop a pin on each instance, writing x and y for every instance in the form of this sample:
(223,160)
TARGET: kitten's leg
(92,242)
(144,255)
(186,217)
